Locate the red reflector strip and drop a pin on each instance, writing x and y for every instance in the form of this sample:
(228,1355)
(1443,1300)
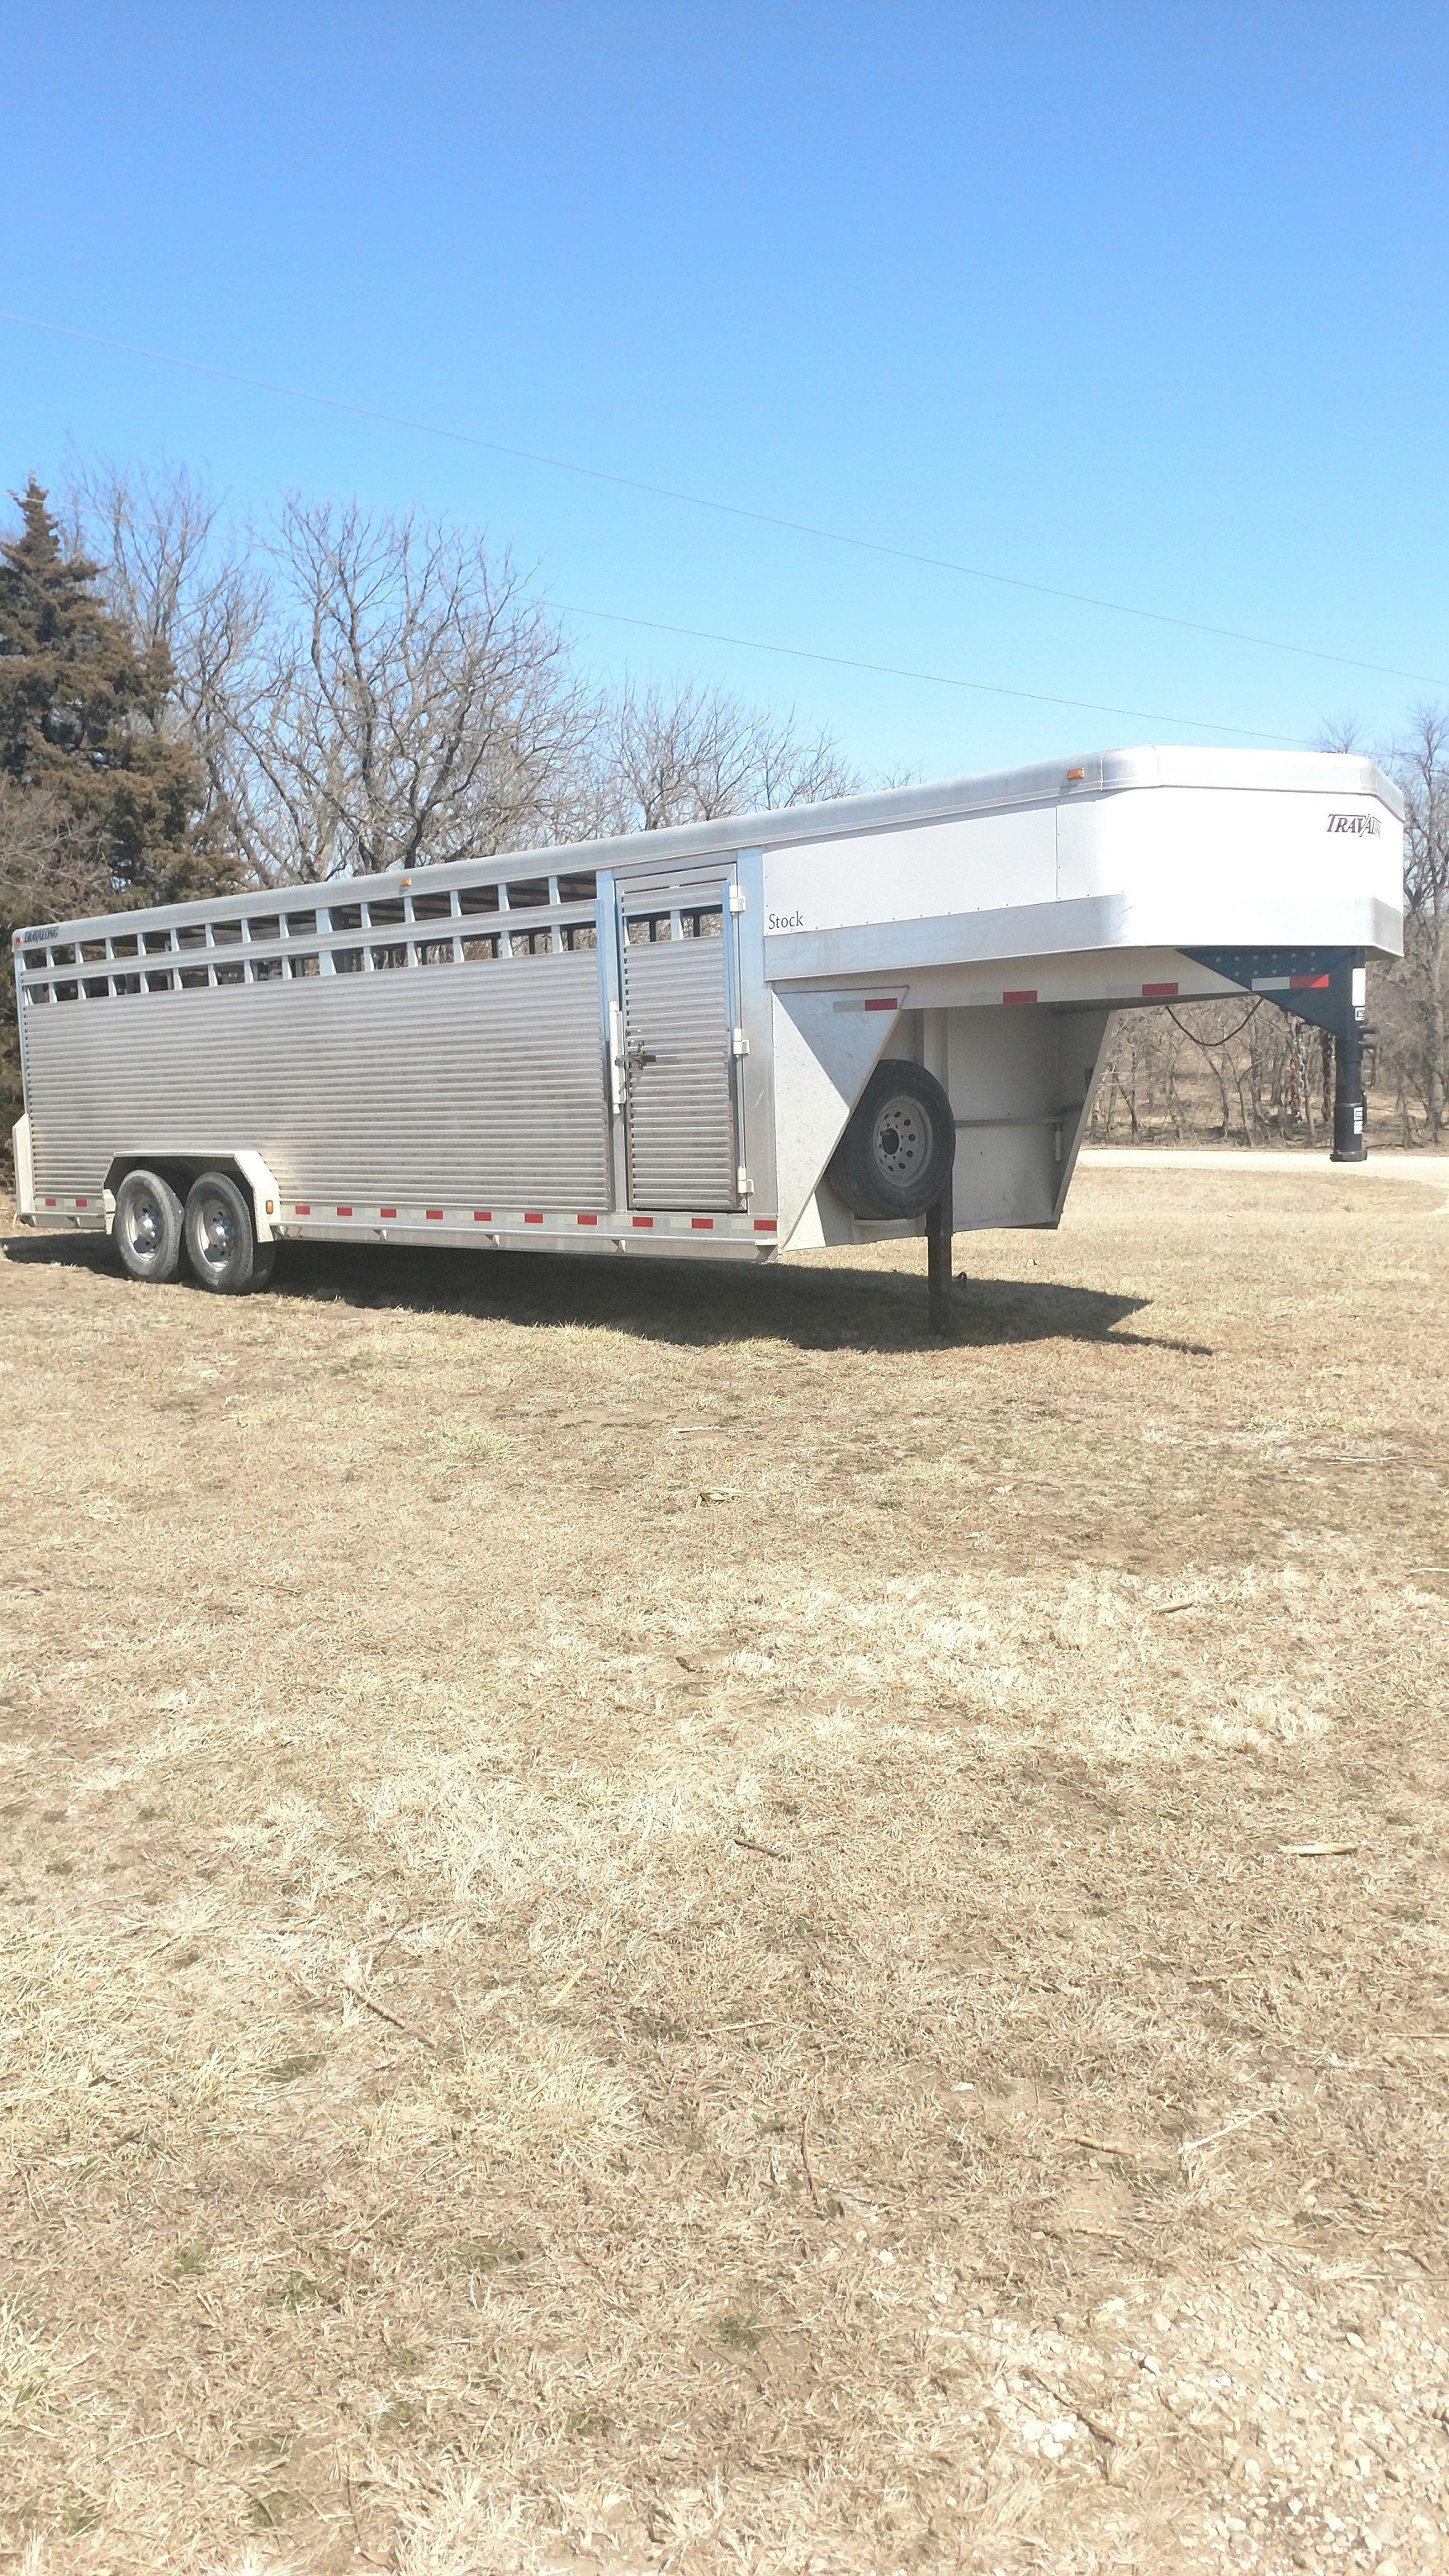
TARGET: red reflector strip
(80,1202)
(433,1215)
(50,1202)
(702,1224)
(1308,983)
(638,1220)
(387,1211)
(344,1211)
(891,1005)
(767,1225)
(482,1216)
(302,1208)
(1019,997)
(588,1220)
(1159,992)
(533,1216)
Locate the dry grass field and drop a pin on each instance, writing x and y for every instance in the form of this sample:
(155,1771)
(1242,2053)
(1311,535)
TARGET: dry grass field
(650,1924)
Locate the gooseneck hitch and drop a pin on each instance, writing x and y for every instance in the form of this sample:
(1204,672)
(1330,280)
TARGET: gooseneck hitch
(1325,986)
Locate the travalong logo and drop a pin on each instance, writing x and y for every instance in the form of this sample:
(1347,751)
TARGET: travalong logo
(1353,823)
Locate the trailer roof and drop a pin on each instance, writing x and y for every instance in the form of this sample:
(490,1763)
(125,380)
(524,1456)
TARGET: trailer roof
(886,809)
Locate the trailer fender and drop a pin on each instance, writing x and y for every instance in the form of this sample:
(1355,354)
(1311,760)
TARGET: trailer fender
(24,1171)
(826,1047)
(265,1195)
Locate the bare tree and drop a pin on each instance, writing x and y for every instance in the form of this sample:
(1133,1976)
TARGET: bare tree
(182,577)
(367,692)
(688,754)
(364,692)
(1420,763)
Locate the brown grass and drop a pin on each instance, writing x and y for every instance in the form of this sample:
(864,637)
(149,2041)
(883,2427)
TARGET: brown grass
(625,1893)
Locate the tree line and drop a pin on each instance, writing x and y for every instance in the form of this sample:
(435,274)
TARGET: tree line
(188,705)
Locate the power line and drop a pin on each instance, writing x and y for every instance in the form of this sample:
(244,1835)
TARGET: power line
(937,679)
(725,509)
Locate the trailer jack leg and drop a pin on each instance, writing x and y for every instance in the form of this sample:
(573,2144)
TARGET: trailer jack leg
(1325,987)
(1348,1104)
(939,1230)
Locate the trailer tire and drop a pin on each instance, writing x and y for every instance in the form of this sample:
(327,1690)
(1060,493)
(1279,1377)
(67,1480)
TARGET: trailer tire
(895,1156)
(221,1238)
(148,1226)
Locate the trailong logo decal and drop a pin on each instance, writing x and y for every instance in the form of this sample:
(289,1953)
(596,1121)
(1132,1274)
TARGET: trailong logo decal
(1359,823)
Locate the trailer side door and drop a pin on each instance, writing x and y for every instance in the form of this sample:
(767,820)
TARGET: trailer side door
(679,981)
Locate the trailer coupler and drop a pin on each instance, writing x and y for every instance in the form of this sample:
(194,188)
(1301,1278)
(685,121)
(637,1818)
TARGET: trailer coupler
(1327,987)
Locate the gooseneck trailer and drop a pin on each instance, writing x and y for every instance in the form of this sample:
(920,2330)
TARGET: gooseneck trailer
(882,1015)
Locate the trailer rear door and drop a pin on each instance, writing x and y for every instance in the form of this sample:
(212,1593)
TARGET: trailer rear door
(679,982)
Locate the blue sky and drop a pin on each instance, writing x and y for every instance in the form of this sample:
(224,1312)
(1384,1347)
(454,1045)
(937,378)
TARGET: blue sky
(1144,302)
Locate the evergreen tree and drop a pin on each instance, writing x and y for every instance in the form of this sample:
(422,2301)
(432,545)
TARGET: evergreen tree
(82,721)
(99,803)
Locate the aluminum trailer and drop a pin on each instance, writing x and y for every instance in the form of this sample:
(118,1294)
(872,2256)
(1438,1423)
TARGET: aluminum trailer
(880,1015)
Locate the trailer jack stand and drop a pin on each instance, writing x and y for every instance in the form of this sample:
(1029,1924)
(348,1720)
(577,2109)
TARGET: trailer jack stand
(938,1261)
(1326,987)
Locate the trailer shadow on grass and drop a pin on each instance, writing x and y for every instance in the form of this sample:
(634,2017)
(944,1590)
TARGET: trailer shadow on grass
(874,1309)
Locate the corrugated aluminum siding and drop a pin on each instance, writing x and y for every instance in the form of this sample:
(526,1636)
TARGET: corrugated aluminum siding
(681,1127)
(452,1082)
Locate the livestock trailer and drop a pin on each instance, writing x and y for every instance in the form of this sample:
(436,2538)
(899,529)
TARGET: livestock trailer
(879,1015)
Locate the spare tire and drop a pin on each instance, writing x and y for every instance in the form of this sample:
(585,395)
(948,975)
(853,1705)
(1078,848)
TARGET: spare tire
(895,1156)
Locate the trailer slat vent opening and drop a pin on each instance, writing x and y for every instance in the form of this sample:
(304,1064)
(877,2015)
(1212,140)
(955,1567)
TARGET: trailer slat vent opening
(269,940)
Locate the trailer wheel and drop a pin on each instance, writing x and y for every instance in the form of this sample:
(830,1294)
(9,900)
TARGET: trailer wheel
(221,1240)
(148,1226)
(895,1156)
